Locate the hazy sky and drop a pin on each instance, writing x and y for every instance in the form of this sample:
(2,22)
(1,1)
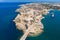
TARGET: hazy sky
(27,0)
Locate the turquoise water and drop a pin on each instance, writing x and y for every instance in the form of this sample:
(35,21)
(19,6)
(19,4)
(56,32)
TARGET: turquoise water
(8,29)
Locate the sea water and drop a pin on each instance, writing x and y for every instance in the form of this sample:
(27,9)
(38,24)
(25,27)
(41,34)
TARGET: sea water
(8,30)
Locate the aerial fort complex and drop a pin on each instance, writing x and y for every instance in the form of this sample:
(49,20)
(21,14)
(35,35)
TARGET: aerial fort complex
(29,18)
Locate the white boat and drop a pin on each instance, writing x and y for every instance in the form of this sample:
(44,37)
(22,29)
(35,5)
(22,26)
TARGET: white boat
(52,14)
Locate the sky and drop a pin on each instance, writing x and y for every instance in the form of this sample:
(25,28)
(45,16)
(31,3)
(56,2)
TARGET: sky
(28,0)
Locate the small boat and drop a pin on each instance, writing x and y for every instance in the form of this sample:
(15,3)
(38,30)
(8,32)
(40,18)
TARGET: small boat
(52,14)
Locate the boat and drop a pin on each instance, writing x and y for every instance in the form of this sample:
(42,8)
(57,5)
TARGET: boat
(52,14)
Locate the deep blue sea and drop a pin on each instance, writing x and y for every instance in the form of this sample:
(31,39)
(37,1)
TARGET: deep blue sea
(8,29)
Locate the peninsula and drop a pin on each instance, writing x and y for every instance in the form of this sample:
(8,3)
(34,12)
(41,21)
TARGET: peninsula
(29,18)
